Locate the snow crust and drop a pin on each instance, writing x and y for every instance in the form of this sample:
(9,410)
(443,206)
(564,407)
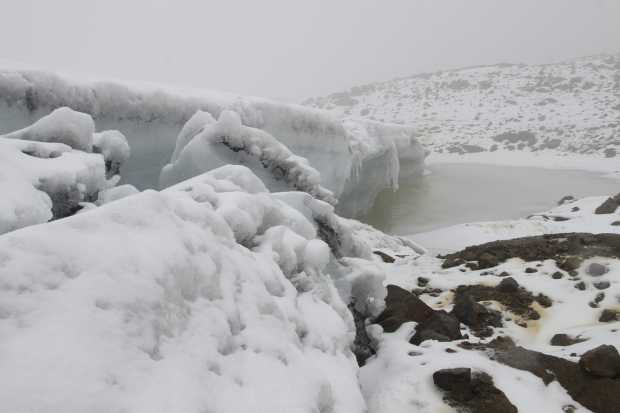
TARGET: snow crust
(355,159)
(213,295)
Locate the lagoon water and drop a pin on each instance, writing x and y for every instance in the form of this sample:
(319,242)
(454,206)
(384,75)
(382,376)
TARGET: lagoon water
(457,193)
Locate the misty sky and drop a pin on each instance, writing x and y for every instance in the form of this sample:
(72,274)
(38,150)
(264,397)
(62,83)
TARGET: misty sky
(296,49)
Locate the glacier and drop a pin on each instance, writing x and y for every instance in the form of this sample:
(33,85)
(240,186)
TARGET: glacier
(356,158)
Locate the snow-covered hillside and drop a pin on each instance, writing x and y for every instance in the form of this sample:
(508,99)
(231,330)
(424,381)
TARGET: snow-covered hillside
(568,107)
(355,159)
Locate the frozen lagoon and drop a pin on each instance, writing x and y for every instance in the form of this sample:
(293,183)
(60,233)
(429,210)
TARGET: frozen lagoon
(454,193)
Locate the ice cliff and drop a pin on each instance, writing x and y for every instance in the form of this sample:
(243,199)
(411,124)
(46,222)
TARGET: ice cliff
(356,159)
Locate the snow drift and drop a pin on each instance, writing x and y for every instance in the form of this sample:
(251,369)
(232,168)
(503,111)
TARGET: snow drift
(213,295)
(356,159)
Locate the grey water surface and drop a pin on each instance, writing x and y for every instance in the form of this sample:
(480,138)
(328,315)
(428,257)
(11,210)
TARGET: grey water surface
(458,193)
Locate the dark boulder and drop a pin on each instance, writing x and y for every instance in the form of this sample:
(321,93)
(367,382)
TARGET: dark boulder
(439,326)
(602,361)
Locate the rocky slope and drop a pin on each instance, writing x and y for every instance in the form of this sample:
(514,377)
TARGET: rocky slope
(524,324)
(567,107)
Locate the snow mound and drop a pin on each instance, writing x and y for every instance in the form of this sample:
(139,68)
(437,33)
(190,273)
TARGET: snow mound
(213,295)
(47,169)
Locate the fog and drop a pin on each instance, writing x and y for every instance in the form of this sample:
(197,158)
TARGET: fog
(291,50)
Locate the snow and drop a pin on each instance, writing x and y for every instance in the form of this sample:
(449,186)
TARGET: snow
(113,145)
(355,159)
(227,142)
(63,125)
(213,295)
(174,300)
(564,108)
(43,177)
(399,378)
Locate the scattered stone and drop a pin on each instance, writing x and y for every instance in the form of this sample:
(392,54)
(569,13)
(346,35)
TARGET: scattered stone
(575,209)
(508,285)
(452,379)
(450,350)
(385,257)
(602,361)
(599,297)
(602,285)
(608,316)
(472,392)
(504,274)
(440,326)
(557,275)
(564,340)
(580,286)
(530,270)
(401,306)
(596,270)
(615,223)
(422,281)
(476,316)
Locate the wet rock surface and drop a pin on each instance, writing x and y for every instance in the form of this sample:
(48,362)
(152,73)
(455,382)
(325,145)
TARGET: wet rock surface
(568,250)
(472,392)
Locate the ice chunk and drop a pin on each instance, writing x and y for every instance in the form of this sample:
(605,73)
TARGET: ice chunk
(63,125)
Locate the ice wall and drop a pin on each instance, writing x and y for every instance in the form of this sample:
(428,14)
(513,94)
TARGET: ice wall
(356,159)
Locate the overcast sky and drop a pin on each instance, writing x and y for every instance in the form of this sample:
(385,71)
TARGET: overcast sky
(293,49)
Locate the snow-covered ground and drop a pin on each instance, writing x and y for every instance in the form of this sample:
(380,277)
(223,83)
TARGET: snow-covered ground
(400,379)
(571,107)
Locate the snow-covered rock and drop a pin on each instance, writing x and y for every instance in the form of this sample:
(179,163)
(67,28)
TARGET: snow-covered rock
(213,295)
(570,107)
(356,160)
(47,169)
